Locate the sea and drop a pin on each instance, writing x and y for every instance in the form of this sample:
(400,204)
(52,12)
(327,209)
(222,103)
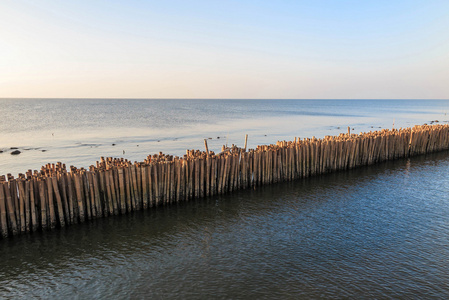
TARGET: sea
(380,231)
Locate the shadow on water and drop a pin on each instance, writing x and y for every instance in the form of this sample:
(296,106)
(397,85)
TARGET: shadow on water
(377,231)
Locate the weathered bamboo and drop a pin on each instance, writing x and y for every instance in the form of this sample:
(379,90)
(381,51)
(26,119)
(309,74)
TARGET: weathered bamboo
(135,187)
(60,209)
(63,191)
(90,181)
(43,204)
(166,189)
(112,186)
(33,212)
(213,176)
(183,195)
(144,183)
(151,197)
(139,185)
(14,199)
(3,212)
(172,181)
(50,203)
(98,206)
(71,194)
(22,196)
(178,166)
(156,184)
(130,205)
(54,197)
(107,193)
(207,148)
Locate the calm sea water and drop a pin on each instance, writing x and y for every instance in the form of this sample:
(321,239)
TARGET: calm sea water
(379,231)
(79,131)
(375,232)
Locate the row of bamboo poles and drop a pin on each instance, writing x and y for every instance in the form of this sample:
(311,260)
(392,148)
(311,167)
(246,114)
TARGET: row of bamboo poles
(57,197)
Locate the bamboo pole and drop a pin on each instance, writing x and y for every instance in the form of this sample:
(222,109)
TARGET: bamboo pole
(112,187)
(91,192)
(207,149)
(184,168)
(43,204)
(122,189)
(79,196)
(95,180)
(143,171)
(12,221)
(85,194)
(139,185)
(59,209)
(166,183)
(3,213)
(151,192)
(34,222)
(172,177)
(73,203)
(50,203)
(177,181)
(65,203)
(128,186)
(21,205)
(202,177)
(107,193)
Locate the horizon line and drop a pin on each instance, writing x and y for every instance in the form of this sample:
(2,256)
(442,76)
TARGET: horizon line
(142,98)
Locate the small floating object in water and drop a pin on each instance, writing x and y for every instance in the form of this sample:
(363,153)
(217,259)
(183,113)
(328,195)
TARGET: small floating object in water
(158,141)
(123,151)
(137,145)
(16,152)
(218,137)
(13,148)
(44,150)
(113,144)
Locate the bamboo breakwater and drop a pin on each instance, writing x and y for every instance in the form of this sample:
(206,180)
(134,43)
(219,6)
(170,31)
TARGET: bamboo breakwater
(56,197)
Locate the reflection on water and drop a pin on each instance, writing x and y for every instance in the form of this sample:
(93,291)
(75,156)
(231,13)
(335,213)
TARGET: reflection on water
(379,232)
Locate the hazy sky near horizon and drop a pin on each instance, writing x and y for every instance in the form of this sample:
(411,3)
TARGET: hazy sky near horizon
(225,49)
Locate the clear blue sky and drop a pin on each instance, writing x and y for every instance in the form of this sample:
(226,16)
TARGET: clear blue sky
(225,49)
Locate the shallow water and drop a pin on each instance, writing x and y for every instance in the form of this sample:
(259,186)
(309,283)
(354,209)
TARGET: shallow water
(79,131)
(379,231)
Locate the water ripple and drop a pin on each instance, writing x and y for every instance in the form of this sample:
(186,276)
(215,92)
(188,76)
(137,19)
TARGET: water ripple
(375,232)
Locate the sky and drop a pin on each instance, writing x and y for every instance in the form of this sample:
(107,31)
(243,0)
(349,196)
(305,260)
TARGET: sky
(317,49)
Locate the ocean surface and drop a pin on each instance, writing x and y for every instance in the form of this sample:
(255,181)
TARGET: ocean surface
(79,131)
(379,231)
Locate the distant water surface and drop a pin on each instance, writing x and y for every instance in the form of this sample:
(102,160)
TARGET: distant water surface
(79,131)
